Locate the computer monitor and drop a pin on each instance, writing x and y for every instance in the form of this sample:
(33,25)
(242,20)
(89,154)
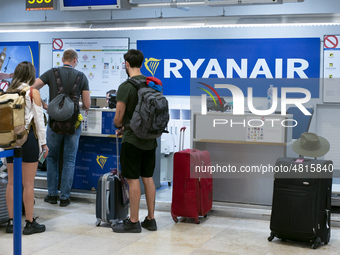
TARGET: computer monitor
(80,5)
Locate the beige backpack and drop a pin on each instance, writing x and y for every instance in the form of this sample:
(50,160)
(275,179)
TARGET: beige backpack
(12,118)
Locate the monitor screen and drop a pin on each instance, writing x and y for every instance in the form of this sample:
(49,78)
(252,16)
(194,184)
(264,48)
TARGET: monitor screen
(74,5)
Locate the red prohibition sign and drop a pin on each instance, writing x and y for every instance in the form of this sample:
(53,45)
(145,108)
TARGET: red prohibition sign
(3,85)
(57,44)
(331,42)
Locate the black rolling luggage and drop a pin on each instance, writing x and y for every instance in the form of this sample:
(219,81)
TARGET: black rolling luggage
(3,204)
(111,204)
(301,208)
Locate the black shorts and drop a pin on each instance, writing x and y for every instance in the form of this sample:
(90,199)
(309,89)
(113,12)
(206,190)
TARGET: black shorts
(30,149)
(136,162)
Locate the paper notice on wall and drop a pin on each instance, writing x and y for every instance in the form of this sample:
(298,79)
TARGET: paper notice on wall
(331,69)
(101,60)
(91,123)
(265,129)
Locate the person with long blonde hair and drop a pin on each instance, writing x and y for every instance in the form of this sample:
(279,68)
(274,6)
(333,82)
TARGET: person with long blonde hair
(24,75)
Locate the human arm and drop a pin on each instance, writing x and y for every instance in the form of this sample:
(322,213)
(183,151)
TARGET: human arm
(44,104)
(85,96)
(38,117)
(6,75)
(38,84)
(118,119)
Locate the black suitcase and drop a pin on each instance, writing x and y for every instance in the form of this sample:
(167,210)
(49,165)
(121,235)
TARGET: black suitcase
(301,208)
(111,207)
(3,204)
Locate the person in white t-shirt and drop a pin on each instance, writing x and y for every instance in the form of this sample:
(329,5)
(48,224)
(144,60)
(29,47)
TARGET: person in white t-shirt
(24,76)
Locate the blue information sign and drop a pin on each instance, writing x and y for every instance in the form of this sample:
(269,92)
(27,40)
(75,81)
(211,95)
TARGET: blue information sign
(175,62)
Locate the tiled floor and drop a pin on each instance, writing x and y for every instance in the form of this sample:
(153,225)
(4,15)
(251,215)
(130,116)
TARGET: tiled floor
(71,230)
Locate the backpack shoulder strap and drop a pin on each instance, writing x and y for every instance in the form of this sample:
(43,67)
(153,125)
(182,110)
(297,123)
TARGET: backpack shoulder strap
(23,90)
(77,83)
(136,82)
(74,92)
(57,77)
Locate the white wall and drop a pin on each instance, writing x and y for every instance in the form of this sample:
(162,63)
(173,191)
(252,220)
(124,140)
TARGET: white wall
(45,38)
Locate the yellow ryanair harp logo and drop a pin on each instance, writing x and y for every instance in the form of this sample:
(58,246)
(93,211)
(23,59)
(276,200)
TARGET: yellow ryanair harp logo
(151,65)
(101,160)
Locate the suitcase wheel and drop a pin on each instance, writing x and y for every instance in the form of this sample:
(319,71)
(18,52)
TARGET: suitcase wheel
(328,237)
(197,221)
(271,237)
(175,219)
(113,222)
(98,223)
(206,215)
(316,243)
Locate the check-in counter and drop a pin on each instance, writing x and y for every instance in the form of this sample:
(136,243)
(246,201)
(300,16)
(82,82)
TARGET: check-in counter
(240,145)
(97,153)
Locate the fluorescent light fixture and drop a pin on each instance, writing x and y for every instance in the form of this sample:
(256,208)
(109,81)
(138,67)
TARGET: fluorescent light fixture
(238,2)
(155,27)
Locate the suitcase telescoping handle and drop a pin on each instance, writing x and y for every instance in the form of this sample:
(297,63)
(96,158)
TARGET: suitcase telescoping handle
(107,183)
(181,138)
(107,202)
(117,148)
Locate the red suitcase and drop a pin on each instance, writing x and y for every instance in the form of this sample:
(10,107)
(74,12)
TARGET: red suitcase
(191,193)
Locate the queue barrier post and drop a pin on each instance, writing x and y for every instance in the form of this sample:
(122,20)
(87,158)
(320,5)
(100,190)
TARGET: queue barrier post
(16,153)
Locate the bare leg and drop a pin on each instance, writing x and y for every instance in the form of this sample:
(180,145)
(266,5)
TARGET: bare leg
(150,195)
(134,195)
(9,190)
(28,175)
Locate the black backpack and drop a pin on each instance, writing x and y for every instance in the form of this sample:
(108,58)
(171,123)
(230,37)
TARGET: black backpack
(67,127)
(151,115)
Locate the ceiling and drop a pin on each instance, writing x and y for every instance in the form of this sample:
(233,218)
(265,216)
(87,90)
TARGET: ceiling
(146,14)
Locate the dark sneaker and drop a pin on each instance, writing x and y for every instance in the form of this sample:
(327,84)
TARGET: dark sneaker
(9,228)
(33,227)
(65,202)
(149,224)
(127,227)
(51,199)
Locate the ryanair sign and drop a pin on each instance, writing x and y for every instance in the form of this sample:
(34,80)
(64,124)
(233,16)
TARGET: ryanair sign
(176,62)
(151,64)
(101,160)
